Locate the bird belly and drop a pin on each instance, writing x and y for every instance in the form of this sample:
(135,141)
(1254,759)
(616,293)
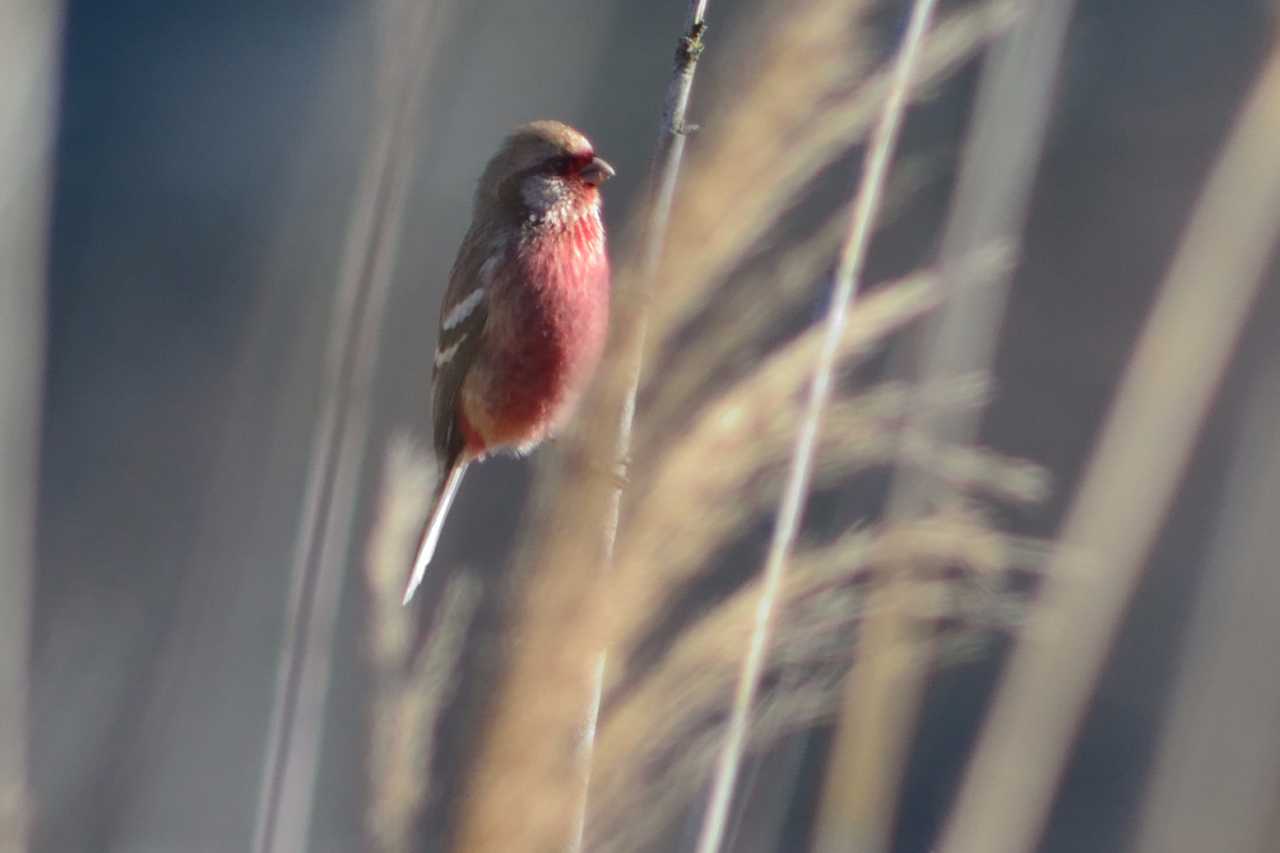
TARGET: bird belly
(544,339)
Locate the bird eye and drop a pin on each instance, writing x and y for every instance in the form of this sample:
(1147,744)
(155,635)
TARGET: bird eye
(568,164)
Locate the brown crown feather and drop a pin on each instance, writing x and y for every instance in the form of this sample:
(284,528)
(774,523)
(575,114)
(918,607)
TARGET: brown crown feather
(526,147)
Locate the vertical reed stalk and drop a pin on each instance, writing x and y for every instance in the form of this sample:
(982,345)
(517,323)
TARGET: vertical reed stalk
(665,172)
(1127,488)
(338,443)
(848,275)
(883,692)
(1215,786)
(28,103)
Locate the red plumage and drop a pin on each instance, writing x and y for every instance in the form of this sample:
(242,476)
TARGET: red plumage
(548,311)
(523,321)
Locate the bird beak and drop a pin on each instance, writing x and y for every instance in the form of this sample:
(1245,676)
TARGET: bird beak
(597,172)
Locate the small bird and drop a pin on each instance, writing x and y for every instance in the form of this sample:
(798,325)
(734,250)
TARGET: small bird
(523,321)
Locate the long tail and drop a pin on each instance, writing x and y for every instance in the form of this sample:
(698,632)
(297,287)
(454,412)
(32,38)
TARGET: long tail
(435,523)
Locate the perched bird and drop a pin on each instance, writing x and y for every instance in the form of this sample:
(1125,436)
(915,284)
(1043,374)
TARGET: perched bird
(523,321)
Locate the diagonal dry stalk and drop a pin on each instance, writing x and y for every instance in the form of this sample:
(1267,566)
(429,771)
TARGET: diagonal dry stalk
(811,101)
(1127,487)
(523,760)
(525,782)
(884,691)
(752,424)
(1215,786)
(761,291)
(848,280)
(660,741)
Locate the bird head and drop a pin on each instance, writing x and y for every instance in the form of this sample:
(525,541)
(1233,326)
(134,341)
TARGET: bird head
(545,170)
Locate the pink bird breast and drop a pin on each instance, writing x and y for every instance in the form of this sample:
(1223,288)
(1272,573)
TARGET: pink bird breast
(546,331)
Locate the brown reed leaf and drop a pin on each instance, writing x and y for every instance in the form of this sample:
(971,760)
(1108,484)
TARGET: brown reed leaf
(657,746)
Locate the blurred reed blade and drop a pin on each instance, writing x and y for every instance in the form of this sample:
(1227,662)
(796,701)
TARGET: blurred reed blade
(409,696)
(790,509)
(999,163)
(730,332)
(661,738)
(1216,786)
(338,443)
(1127,488)
(525,782)
(728,465)
(671,540)
(812,101)
(28,102)
(665,172)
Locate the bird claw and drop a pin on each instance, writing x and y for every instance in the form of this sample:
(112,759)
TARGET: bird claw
(618,474)
(622,473)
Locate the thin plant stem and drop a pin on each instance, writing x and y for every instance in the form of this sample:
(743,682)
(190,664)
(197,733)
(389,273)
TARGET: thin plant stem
(883,692)
(664,175)
(852,257)
(1126,490)
(321,548)
(28,104)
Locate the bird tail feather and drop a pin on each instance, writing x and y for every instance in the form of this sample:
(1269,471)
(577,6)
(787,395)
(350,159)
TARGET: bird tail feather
(445,491)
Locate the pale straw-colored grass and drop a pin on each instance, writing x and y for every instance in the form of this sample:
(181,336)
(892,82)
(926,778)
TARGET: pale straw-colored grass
(731,331)
(811,90)
(658,744)
(340,437)
(29,66)
(730,468)
(1128,486)
(411,689)
(813,98)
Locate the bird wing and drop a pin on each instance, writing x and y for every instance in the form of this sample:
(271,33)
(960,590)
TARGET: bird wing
(463,313)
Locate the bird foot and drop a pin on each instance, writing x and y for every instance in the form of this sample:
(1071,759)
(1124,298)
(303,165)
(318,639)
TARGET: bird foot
(618,474)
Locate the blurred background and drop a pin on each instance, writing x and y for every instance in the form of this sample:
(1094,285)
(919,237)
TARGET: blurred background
(205,159)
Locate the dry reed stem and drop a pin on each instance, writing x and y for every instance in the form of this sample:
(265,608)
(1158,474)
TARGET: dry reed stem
(872,742)
(675,539)
(659,743)
(903,301)
(563,598)
(811,101)
(694,495)
(848,280)
(28,107)
(751,417)
(408,696)
(338,444)
(736,322)
(664,174)
(525,780)
(1127,488)
(1216,786)
(730,331)
(819,55)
